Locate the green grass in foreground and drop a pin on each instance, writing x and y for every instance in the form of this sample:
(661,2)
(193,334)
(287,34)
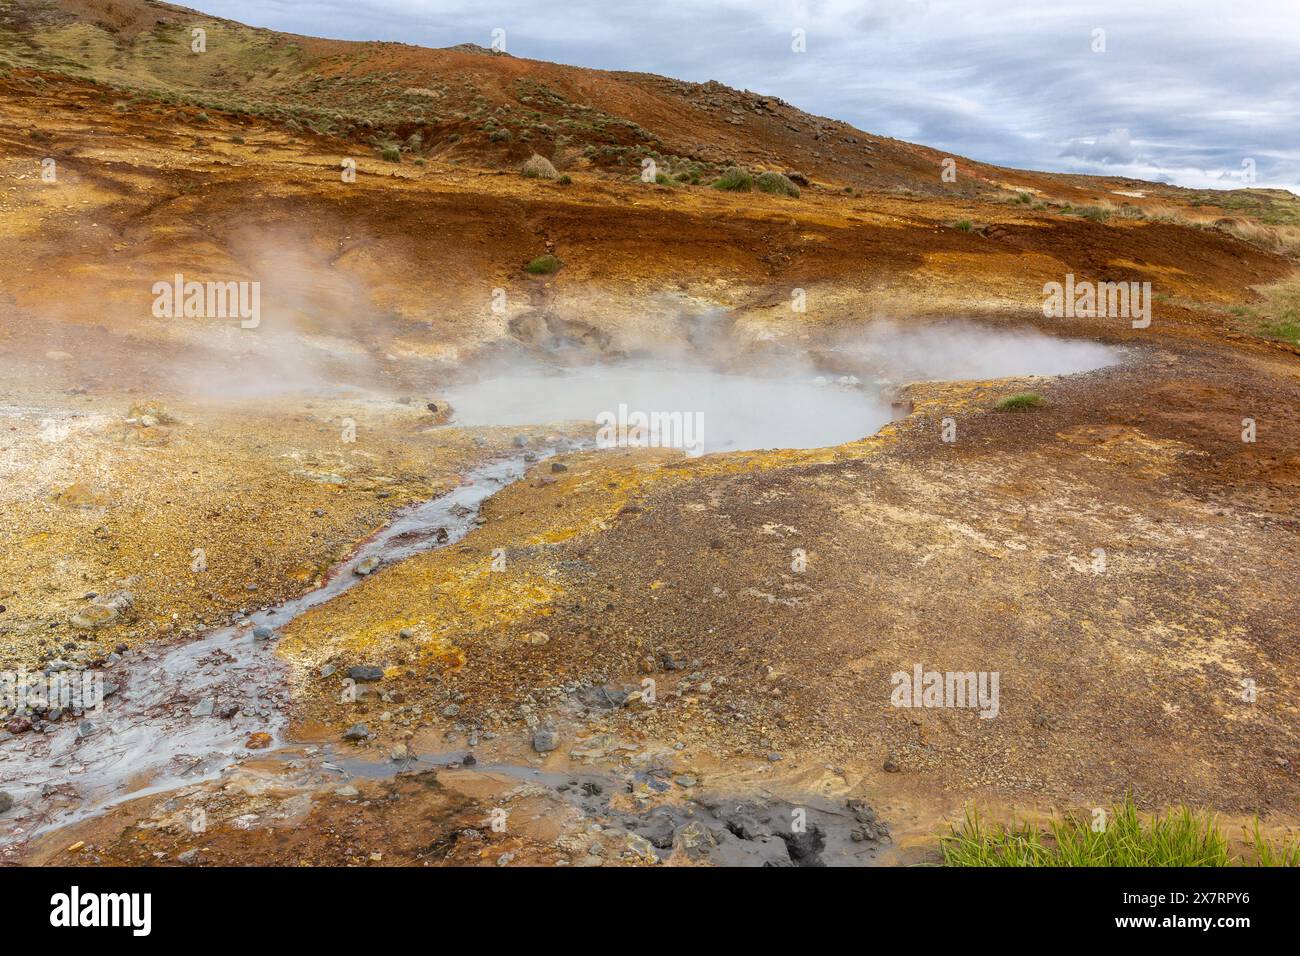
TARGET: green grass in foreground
(1021,400)
(1181,838)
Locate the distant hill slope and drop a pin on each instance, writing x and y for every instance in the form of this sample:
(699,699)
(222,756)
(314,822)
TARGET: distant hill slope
(469,104)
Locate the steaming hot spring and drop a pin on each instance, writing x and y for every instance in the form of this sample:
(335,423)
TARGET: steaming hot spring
(700,409)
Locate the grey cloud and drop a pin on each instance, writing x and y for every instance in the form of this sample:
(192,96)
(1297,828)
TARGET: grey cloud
(1197,85)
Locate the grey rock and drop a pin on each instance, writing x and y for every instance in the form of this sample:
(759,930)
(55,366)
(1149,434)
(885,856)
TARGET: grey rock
(366,673)
(357,732)
(263,633)
(203,708)
(545,740)
(6,802)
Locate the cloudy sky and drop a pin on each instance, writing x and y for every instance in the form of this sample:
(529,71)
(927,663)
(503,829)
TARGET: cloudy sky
(1193,92)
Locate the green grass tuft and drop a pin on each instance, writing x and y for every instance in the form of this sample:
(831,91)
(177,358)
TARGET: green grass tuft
(1019,401)
(1284,331)
(734,179)
(963,224)
(543,265)
(777,184)
(1180,838)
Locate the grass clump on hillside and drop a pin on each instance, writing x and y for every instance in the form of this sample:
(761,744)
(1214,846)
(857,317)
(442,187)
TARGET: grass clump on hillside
(391,154)
(1182,838)
(691,174)
(964,225)
(1282,331)
(1095,213)
(543,265)
(1278,316)
(1281,310)
(539,167)
(734,179)
(1020,401)
(777,184)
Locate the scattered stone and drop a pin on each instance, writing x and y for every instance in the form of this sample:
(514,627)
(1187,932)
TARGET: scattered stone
(366,673)
(559,466)
(366,566)
(153,410)
(189,856)
(347,791)
(451,710)
(603,696)
(19,725)
(442,412)
(94,616)
(774,758)
(328,670)
(642,847)
(694,840)
(258,741)
(470,760)
(357,732)
(890,766)
(406,633)
(6,802)
(401,753)
(203,708)
(545,740)
(264,633)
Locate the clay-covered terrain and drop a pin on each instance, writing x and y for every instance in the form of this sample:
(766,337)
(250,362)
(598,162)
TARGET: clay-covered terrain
(628,656)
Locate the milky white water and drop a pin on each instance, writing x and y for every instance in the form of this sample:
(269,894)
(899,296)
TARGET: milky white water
(732,411)
(795,408)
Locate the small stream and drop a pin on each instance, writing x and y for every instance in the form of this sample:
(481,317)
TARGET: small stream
(184,711)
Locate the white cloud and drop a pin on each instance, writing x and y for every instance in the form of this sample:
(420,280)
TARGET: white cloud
(1194,86)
